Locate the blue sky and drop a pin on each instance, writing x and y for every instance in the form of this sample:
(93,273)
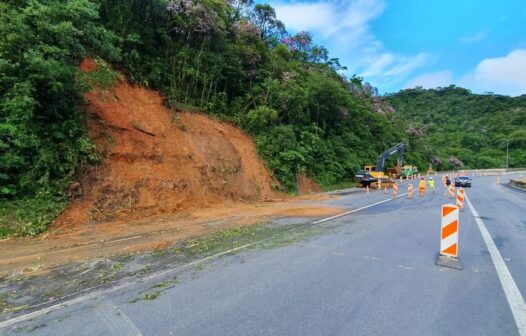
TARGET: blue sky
(396,44)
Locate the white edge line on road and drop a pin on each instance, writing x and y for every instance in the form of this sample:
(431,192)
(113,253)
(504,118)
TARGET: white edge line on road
(513,295)
(89,296)
(323,220)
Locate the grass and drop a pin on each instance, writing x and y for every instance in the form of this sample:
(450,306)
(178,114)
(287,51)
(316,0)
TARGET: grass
(277,235)
(18,294)
(29,217)
(159,287)
(339,185)
(103,78)
(117,266)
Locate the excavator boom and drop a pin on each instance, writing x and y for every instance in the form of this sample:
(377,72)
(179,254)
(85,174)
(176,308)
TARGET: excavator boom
(388,153)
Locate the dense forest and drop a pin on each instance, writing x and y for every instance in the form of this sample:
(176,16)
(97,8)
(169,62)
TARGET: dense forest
(452,127)
(231,59)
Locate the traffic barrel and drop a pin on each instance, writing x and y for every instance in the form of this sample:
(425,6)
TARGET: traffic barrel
(410,190)
(395,189)
(460,198)
(379,184)
(448,255)
(451,191)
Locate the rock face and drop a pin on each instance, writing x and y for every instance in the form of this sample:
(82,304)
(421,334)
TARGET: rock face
(157,161)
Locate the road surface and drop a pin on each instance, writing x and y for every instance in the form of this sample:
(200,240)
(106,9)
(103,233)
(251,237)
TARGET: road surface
(372,273)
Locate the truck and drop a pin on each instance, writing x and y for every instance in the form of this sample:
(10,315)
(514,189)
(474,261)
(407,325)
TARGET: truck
(408,171)
(370,175)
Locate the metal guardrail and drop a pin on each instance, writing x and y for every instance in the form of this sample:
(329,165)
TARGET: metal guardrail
(491,171)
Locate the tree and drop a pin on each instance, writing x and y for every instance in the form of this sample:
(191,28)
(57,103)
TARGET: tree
(264,17)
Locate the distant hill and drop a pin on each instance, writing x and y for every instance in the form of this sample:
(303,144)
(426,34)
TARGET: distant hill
(452,126)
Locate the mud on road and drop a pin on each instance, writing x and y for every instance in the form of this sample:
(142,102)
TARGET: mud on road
(24,292)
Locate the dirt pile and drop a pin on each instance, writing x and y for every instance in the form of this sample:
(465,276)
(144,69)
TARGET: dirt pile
(307,185)
(157,161)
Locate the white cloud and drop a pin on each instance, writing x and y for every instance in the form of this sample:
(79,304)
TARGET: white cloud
(308,16)
(431,80)
(344,26)
(503,75)
(478,36)
(326,17)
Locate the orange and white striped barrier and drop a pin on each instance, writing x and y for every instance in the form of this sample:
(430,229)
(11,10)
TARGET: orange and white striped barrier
(460,198)
(451,191)
(367,189)
(379,185)
(410,190)
(395,189)
(448,255)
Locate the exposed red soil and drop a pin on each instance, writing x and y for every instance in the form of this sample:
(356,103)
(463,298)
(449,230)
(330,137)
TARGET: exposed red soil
(307,185)
(30,256)
(158,161)
(165,177)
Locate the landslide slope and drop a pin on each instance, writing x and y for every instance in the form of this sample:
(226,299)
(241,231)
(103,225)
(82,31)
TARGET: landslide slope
(157,161)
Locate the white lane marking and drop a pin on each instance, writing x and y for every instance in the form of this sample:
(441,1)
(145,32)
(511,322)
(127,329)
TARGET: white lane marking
(513,295)
(116,322)
(93,295)
(323,220)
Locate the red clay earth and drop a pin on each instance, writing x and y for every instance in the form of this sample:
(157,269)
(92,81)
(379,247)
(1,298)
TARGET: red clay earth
(158,161)
(165,176)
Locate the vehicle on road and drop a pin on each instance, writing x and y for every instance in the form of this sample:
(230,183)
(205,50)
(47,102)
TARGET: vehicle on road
(365,178)
(463,181)
(408,171)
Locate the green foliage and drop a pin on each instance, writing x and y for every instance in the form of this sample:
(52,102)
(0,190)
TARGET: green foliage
(232,59)
(452,122)
(259,118)
(42,134)
(103,77)
(238,62)
(29,216)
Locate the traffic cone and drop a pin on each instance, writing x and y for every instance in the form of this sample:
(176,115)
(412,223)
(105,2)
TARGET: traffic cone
(409,190)
(395,190)
(451,191)
(367,190)
(460,198)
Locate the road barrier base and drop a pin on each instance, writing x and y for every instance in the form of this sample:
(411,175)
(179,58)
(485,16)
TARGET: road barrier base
(447,261)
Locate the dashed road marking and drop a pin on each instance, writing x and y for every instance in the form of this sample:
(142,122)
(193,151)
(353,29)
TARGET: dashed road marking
(96,294)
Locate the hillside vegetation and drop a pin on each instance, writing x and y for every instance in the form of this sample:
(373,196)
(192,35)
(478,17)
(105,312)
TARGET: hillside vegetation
(454,128)
(231,59)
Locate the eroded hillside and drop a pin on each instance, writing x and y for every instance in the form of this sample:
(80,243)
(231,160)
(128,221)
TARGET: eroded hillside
(157,161)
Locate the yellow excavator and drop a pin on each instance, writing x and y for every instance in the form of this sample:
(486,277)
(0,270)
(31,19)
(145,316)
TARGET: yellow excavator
(370,175)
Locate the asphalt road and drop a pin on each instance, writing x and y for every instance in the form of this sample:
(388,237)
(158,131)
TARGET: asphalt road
(372,273)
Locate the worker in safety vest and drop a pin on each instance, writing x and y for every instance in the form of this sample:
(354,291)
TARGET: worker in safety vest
(431,183)
(422,186)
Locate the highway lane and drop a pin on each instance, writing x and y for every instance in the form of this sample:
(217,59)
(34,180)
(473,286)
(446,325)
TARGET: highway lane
(373,273)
